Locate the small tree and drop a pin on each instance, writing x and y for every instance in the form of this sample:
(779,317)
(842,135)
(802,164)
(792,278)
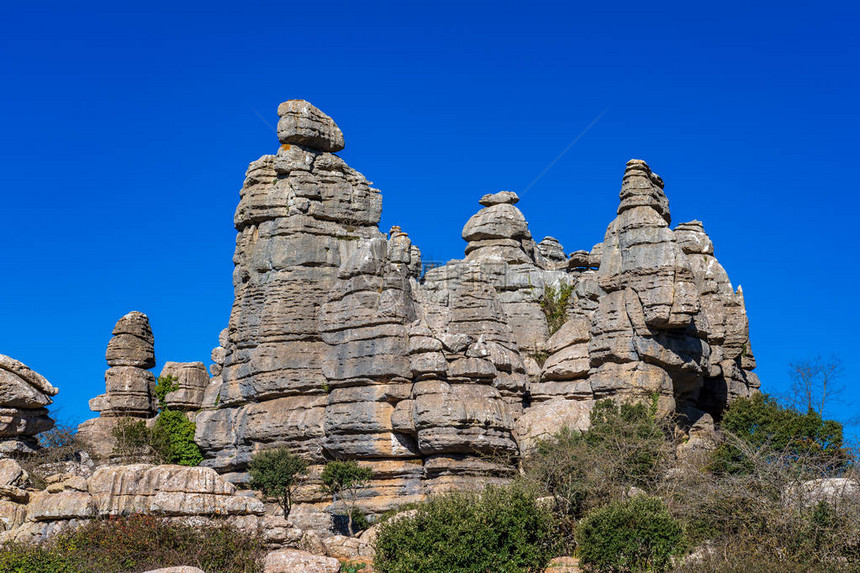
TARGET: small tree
(344,479)
(277,473)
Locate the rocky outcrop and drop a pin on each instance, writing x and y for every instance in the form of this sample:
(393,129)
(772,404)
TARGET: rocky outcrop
(293,560)
(339,345)
(24,395)
(190,379)
(130,386)
(164,491)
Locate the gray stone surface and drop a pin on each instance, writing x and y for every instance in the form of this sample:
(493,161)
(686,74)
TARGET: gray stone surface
(301,123)
(341,345)
(191,380)
(24,394)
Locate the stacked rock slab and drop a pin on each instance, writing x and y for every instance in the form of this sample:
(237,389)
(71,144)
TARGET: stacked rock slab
(338,347)
(24,395)
(130,386)
(191,381)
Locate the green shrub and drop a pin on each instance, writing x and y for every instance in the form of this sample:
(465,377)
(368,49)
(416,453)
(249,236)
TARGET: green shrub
(277,473)
(780,433)
(343,479)
(628,536)
(36,558)
(164,386)
(135,544)
(173,438)
(502,530)
(626,446)
(553,303)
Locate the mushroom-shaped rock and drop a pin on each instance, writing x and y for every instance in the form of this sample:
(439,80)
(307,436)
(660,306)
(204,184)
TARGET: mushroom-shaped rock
(502,221)
(304,124)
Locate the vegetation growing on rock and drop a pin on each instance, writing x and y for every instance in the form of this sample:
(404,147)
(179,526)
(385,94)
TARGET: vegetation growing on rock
(342,480)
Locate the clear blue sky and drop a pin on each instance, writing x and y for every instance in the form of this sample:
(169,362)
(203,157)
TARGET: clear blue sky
(126,130)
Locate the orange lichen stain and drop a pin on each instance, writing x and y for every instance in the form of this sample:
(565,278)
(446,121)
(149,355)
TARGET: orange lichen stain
(285,147)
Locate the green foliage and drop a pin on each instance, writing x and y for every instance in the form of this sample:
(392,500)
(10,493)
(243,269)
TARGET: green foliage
(351,567)
(360,522)
(135,544)
(21,558)
(173,438)
(502,530)
(343,479)
(277,473)
(778,432)
(626,446)
(632,535)
(164,386)
(341,476)
(553,303)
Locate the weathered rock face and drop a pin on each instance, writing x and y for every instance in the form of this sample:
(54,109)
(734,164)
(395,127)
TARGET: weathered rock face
(165,491)
(338,347)
(129,385)
(191,380)
(24,395)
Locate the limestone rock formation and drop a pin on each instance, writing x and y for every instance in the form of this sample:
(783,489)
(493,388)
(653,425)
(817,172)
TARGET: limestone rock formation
(339,345)
(130,386)
(24,395)
(165,491)
(191,380)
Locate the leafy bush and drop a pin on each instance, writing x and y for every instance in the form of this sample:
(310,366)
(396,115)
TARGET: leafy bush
(164,386)
(762,423)
(631,535)
(137,543)
(502,529)
(36,558)
(173,438)
(170,441)
(626,446)
(277,473)
(553,303)
(344,479)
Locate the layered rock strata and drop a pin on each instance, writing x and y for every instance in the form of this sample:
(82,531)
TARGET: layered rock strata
(191,381)
(24,395)
(141,489)
(339,347)
(129,385)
